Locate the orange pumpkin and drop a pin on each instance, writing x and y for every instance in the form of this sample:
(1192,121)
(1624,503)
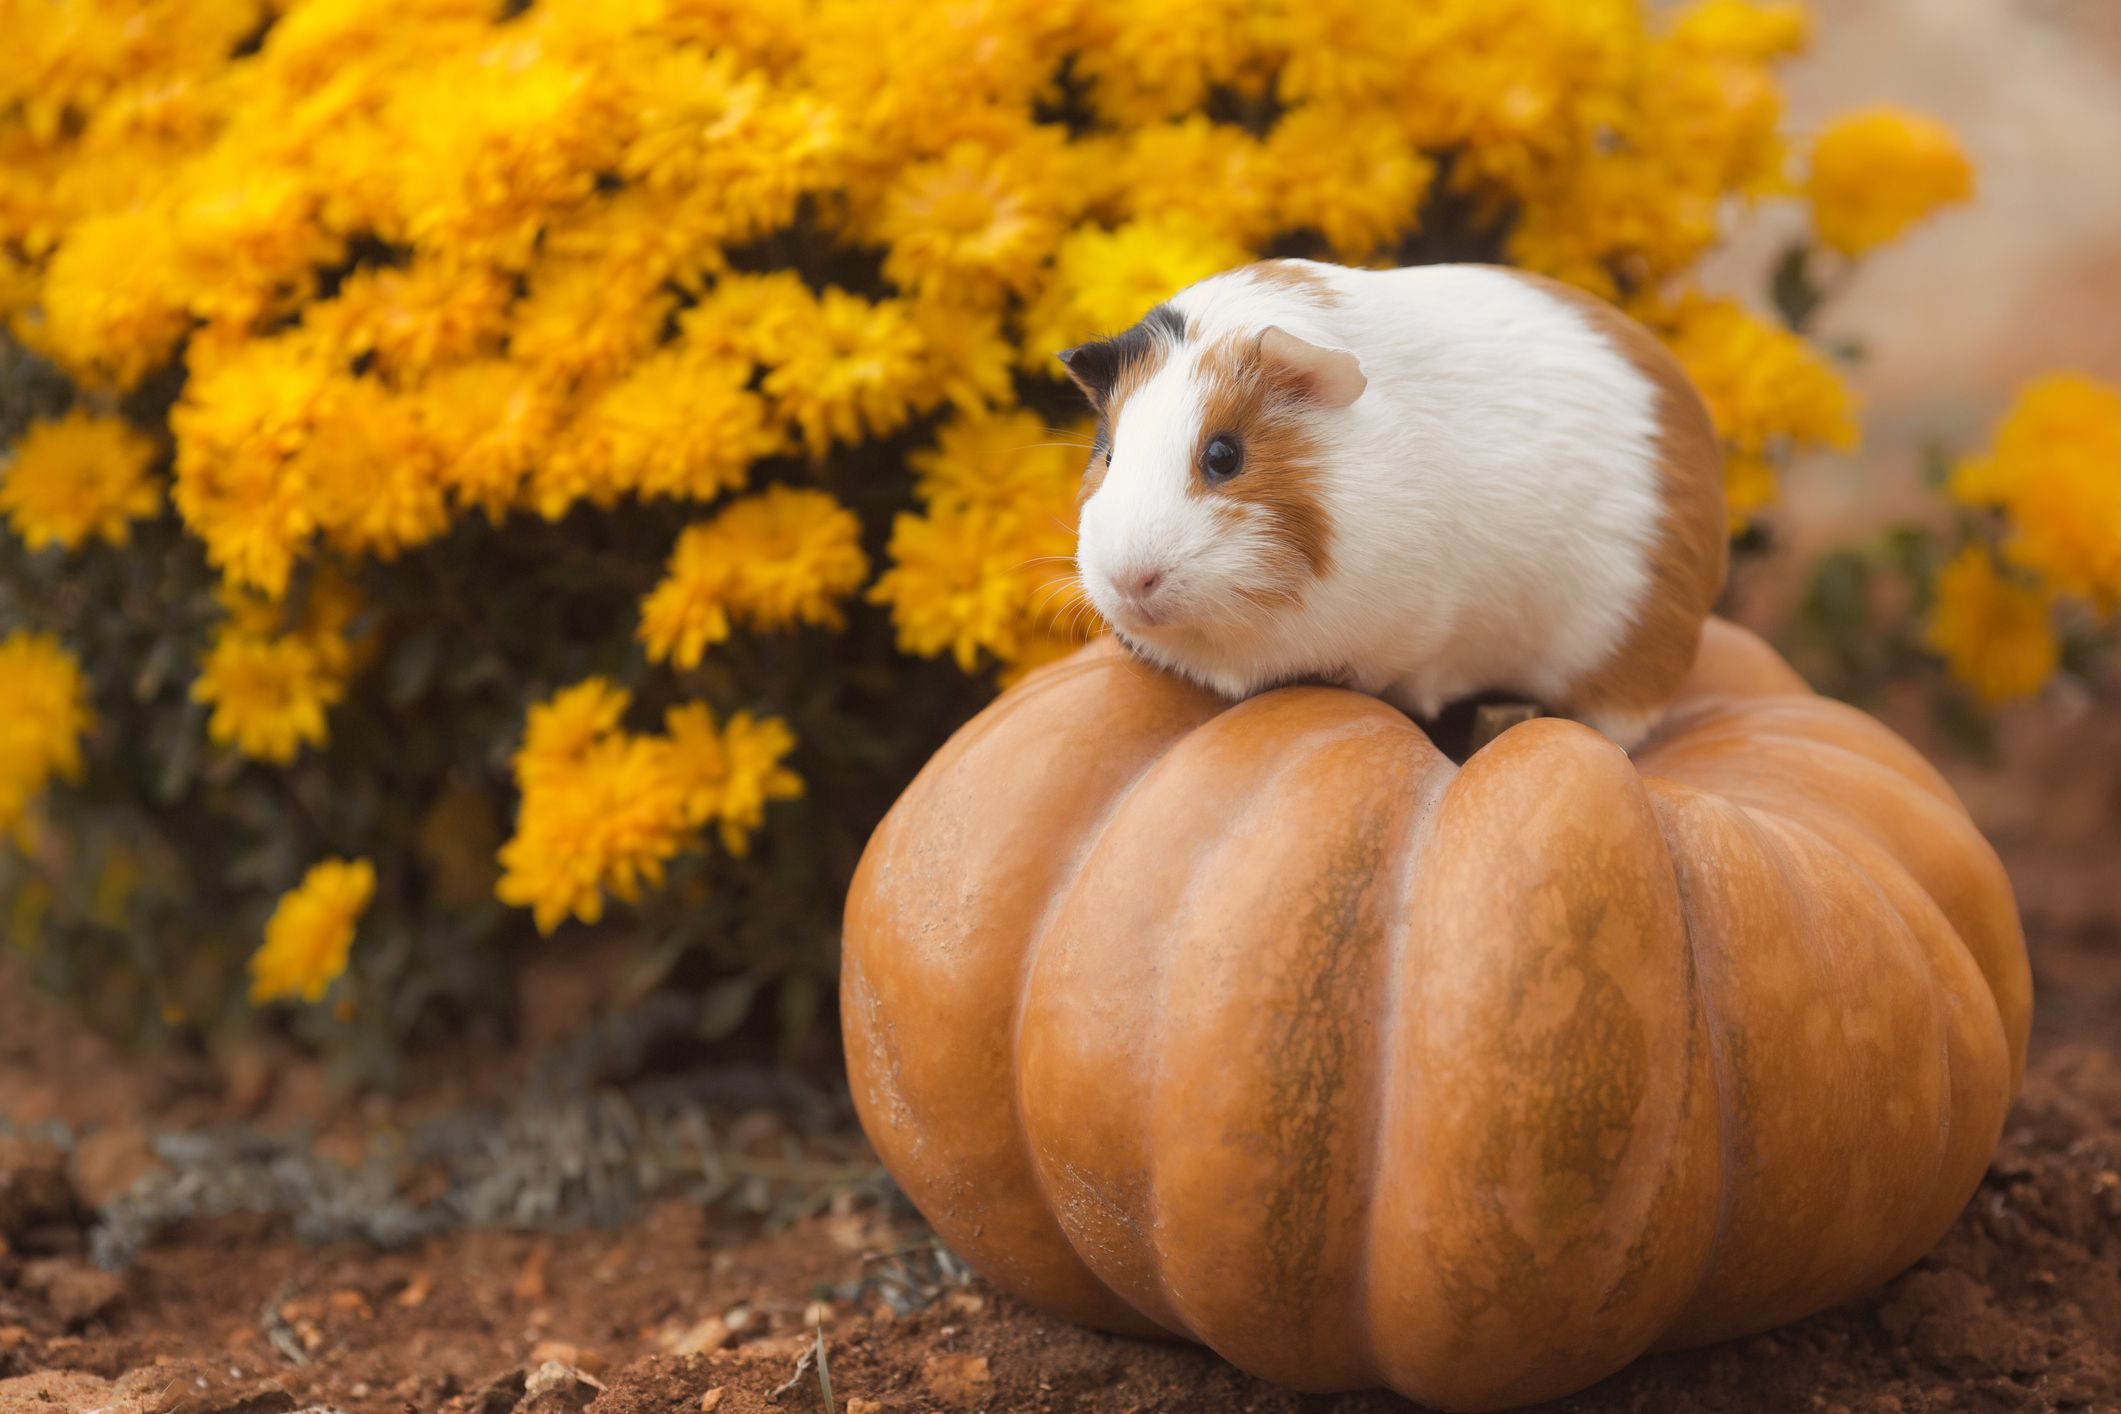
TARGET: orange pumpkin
(1267,1026)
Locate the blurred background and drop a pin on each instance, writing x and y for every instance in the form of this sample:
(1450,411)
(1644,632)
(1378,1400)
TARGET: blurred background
(498,499)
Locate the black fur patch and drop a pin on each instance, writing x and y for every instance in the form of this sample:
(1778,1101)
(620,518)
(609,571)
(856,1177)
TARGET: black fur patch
(1096,366)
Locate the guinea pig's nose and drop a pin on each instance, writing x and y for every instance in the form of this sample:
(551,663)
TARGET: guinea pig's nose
(1145,583)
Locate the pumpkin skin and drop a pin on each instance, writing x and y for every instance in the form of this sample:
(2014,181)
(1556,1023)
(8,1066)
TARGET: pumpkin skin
(1266,1026)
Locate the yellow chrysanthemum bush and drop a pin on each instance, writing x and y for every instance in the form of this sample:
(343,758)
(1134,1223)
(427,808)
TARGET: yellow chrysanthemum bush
(2017,589)
(473,468)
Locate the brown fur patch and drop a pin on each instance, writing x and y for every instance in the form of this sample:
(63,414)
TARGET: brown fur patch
(1295,278)
(1094,475)
(1282,479)
(1691,553)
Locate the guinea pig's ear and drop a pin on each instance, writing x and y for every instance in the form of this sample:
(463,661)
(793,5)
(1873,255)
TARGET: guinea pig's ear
(1095,369)
(1329,377)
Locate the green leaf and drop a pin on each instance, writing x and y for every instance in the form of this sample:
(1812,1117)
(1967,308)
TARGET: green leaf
(413,666)
(800,1001)
(1966,725)
(1838,597)
(1796,296)
(726,1004)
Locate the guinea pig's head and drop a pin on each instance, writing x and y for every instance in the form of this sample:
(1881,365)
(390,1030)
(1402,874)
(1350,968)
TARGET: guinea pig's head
(1203,509)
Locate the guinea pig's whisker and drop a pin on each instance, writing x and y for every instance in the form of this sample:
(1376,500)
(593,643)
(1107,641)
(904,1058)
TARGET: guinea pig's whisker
(1076,618)
(1043,604)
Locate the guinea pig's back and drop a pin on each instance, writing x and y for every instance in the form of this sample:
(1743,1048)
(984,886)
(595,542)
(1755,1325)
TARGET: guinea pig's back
(1550,442)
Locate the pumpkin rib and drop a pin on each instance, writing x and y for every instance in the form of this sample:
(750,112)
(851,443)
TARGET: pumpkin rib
(1437,781)
(1555,1196)
(1792,854)
(1087,844)
(1882,871)
(1766,721)
(1866,885)
(1712,1026)
(935,890)
(1277,1093)
(2001,967)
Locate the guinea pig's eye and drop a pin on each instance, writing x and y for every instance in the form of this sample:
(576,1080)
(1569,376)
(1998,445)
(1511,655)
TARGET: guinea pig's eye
(1223,457)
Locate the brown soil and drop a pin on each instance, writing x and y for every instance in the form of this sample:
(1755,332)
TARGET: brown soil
(2019,1307)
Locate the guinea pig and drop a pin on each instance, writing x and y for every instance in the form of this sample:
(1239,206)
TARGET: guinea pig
(1422,484)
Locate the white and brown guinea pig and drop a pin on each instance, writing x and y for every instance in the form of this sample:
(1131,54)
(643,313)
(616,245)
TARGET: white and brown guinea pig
(1420,483)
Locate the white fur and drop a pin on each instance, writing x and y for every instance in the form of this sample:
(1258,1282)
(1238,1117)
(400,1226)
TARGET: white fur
(1492,495)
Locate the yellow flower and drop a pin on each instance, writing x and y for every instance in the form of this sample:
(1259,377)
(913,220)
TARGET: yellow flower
(1518,89)
(373,484)
(493,144)
(2055,470)
(1339,51)
(249,235)
(679,425)
(1354,179)
(688,611)
(764,32)
(78,477)
(1767,391)
(110,311)
(773,560)
(269,693)
(967,360)
(753,748)
(560,732)
(850,369)
(1993,634)
(989,567)
(604,810)
(246,415)
(1878,171)
(1744,29)
(700,125)
(749,318)
(1010,459)
(731,776)
(431,312)
(1212,176)
(311,931)
(1105,280)
(967,579)
(1635,189)
(974,225)
(323,618)
(637,237)
(43,716)
(914,79)
(1151,59)
(697,759)
(606,823)
(489,422)
(579,322)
